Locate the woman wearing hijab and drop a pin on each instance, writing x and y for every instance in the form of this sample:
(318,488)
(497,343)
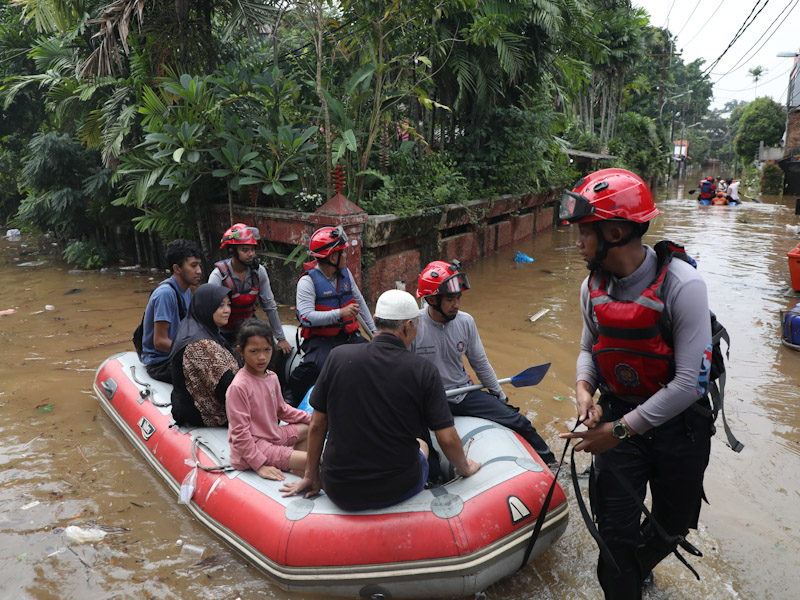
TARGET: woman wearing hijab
(202,364)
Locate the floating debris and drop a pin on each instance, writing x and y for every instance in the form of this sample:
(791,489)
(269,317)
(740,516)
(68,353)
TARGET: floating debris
(82,536)
(521,257)
(33,263)
(539,315)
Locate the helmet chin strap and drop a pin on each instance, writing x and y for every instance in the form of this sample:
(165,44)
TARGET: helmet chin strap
(603,245)
(438,308)
(328,260)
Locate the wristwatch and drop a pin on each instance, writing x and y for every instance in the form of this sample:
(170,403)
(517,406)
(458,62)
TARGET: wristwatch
(620,430)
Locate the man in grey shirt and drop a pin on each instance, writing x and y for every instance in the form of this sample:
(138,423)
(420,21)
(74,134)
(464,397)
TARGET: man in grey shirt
(446,335)
(646,344)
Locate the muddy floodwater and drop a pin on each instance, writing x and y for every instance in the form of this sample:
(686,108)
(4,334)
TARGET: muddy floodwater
(63,462)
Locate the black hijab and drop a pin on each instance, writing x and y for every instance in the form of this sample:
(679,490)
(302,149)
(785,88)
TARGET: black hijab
(199,322)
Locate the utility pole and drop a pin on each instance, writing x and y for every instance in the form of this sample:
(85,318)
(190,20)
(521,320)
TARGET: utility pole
(664,56)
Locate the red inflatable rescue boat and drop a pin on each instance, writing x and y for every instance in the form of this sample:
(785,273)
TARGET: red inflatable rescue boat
(454,540)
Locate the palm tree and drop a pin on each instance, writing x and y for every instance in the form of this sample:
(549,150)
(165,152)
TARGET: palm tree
(757,73)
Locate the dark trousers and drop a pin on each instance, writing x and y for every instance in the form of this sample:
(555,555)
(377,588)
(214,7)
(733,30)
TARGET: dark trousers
(315,352)
(672,458)
(160,371)
(480,403)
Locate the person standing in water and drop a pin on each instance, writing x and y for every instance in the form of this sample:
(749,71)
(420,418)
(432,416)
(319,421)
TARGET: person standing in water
(646,345)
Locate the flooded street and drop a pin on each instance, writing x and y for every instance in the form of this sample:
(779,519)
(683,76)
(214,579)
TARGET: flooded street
(65,463)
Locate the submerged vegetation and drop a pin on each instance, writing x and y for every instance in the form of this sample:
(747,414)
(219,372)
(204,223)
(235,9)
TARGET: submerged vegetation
(125,119)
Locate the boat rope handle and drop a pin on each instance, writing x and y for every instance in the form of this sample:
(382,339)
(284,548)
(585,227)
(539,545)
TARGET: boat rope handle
(148,392)
(227,467)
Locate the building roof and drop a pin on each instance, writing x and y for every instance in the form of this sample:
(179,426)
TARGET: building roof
(585,154)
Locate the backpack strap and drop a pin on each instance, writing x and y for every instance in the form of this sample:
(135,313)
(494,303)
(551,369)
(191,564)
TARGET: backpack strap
(716,388)
(181,310)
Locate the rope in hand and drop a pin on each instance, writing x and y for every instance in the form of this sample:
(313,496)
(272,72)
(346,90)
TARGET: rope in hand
(546,504)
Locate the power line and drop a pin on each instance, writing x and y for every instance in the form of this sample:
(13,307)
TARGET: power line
(747,89)
(747,22)
(692,38)
(689,19)
(666,19)
(766,31)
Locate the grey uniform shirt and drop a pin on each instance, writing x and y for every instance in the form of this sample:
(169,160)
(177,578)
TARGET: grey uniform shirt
(265,295)
(685,315)
(446,344)
(306,301)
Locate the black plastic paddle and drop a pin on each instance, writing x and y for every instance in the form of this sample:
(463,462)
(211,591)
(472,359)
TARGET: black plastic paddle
(690,192)
(756,200)
(530,376)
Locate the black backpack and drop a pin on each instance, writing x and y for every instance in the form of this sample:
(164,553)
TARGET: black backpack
(716,379)
(138,333)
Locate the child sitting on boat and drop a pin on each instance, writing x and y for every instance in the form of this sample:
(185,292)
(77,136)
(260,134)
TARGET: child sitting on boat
(254,404)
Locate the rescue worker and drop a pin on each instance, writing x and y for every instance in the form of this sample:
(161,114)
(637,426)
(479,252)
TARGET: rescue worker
(719,199)
(248,282)
(707,190)
(446,335)
(328,304)
(646,344)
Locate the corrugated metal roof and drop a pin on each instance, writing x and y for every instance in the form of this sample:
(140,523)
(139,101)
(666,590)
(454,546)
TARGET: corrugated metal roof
(585,154)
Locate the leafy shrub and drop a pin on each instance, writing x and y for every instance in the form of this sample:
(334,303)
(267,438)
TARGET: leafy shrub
(580,139)
(638,146)
(513,150)
(418,181)
(305,202)
(771,178)
(85,255)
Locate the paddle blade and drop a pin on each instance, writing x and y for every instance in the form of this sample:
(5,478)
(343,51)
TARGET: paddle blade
(691,192)
(530,376)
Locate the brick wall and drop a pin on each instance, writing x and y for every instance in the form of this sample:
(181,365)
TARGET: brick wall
(793,131)
(387,248)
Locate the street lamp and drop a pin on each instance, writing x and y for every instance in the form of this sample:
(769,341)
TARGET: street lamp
(787,54)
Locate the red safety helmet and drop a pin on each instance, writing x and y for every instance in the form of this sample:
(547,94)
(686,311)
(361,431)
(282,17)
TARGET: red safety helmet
(608,194)
(442,278)
(240,234)
(327,240)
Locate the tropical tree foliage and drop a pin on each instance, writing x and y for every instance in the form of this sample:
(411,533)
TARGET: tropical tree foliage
(763,120)
(172,106)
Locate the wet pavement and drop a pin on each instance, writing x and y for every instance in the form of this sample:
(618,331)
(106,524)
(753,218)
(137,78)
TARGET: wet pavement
(64,463)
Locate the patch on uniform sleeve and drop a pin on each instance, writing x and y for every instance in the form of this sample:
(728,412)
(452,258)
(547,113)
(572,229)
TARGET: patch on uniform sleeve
(705,372)
(626,375)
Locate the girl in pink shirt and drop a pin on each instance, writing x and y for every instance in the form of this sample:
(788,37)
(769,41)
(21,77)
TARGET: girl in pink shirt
(254,405)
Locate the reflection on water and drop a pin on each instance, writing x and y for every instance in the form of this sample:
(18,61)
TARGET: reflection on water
(65,463)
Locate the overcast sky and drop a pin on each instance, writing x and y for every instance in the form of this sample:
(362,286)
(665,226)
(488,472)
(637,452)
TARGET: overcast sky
(705,28)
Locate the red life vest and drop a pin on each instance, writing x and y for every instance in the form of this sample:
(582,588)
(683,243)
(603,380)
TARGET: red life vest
(242,304)
(707,190)
(630,354)
(329,297)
